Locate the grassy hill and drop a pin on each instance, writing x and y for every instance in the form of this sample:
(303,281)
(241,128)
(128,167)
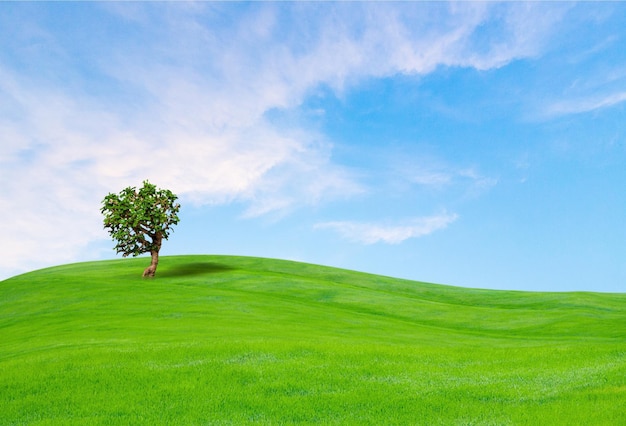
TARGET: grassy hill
(237,340)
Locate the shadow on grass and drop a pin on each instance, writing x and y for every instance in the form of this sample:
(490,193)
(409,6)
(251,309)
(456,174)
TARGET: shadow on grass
(195,268)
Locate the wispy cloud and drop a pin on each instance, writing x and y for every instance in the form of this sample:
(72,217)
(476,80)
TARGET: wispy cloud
(411,168)
(584,104)
(389,233)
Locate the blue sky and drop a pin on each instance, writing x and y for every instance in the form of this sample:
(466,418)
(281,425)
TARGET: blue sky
(471,144)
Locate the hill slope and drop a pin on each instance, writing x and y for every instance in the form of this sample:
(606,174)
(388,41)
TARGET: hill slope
(238,340)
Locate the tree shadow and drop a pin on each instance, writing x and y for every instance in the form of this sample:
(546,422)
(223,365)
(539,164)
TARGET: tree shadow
(194,268)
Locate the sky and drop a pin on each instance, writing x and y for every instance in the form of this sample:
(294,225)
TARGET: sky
(471,144)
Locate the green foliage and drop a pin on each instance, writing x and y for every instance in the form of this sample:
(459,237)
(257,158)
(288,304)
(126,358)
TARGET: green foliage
(140,219)
(225,340)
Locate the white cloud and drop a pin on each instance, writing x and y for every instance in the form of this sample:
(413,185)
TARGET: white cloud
(584,104)
(431,178)
(413,168)
(478,183)
(371,233)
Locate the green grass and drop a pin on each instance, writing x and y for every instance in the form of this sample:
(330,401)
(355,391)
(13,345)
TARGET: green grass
(235,340)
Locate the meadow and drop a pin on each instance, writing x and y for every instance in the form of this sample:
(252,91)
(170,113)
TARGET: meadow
(226,340)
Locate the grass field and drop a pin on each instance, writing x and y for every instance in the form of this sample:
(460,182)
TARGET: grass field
(224,340)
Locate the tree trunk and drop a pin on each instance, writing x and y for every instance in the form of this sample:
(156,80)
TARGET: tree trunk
(151,270)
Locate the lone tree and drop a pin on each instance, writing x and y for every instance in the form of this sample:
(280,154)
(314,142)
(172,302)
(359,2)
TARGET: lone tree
(139,220)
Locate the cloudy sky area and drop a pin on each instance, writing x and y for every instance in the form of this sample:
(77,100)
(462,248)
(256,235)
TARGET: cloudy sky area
(472,144)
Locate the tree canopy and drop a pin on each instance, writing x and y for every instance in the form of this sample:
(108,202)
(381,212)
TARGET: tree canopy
(139,220)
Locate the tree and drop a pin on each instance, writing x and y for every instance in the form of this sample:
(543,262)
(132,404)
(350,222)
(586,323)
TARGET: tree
(139,220)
